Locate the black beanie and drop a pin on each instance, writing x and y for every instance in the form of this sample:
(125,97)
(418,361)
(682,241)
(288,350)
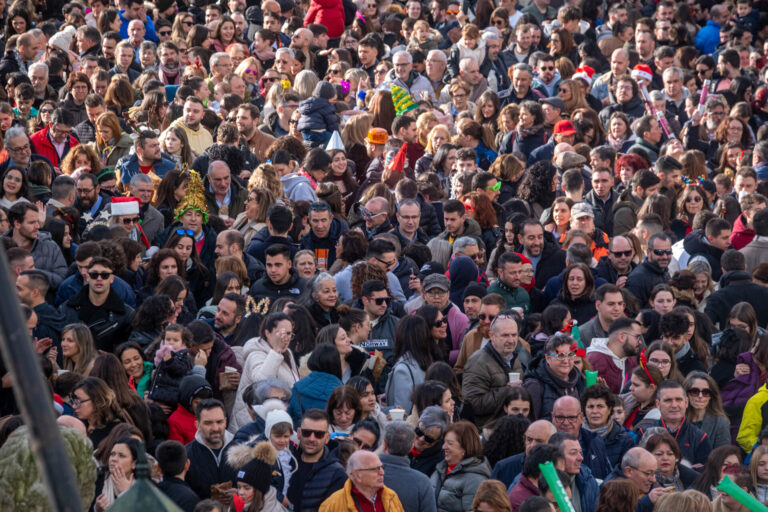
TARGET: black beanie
(258,472)
(475,290)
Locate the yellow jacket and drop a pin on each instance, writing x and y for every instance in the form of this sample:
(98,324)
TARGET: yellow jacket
(752,420)
(341,500)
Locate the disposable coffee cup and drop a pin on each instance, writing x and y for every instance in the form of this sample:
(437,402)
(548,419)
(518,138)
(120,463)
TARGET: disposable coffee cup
(397,414)
(514,376)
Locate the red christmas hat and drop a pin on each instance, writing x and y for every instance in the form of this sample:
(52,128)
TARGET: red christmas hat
(642,71)
(125,205)
(585,72)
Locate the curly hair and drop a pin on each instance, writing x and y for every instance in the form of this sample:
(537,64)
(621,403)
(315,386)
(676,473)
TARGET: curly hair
(68,164)
(367,272)
(153,271)
(536,186)
(287,143)
(265,177)
(106,409)
(508,439)
(153,313)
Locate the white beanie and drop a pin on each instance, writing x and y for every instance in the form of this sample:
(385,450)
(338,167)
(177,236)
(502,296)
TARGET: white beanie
(273,418)
(63,39)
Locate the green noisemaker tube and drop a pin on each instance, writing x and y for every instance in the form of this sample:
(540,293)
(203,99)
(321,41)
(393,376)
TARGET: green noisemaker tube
(549,473)
(734,491)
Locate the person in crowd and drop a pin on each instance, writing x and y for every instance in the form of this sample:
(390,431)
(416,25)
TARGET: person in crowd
(411,486)
(552,374)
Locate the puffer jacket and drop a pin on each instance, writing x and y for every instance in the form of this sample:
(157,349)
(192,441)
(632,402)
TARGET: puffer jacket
(317,114)
(326,477)
(752,420)
(260,362)
(426,461)
(697,245)
(341,500)
(617,442)
(311,392)
(642,280)
(455,491)
(329,13)
(545,387)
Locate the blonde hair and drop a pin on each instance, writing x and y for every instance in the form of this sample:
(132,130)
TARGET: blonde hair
(265,176)
(430,148)
(422,125)
(356,130)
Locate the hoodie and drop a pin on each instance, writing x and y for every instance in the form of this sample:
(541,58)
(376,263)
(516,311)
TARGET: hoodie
(697,245)
(615,370)
(181,422)
(50,322)
(298,188)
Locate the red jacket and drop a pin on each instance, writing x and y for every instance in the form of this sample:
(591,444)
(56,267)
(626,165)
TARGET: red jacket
(741,235)
(329,13)
(181,426)
(42,146)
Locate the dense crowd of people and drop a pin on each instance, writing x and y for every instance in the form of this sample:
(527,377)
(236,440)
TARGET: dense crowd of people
(375,256)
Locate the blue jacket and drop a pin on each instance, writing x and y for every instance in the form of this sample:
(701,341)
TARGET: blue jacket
(129,166)
(693,442)
(485,156)
(326,477)
(545,152)
(317,114)
(589,492)
(150,35)
(617,442)
(311,392)
(506,470)
(595,454)
(708,37)
(72,285)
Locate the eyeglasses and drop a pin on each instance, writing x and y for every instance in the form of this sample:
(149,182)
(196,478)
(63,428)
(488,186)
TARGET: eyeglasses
(368,215)
(647,473)
(76,402)
(562,356)
(84,190)
(307,433)
(421,433)
(693,199)
(103,275)
(182,232)
(59,131)
(662,252)
(376,469)
(361,445)
(164,33)
(380,300)
(495,188)
(130,220)
(622,254)
(660,362)
(484,317)
(563,419)
(439,323)
(387,263)
(706,392)
(25,147)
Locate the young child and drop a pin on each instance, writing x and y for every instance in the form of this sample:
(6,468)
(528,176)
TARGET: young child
(25,98)
(278,429)
(318,116)
(254,491)
(172,363)
(424,38)
(747,17)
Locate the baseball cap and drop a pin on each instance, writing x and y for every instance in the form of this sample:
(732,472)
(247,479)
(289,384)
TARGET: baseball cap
(564,127)
(581,210)
(436,281)
(555,102)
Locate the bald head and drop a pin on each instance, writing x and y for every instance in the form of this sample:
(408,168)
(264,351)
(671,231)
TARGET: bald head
(639,465)
(72,422)
(562,148)
(537,433)
(566,415)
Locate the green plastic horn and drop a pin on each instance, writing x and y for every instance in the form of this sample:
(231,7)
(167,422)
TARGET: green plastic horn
(734,491)
(549,473)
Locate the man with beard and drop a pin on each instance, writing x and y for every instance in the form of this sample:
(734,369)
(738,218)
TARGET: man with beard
(404,76)
(146,158)
(493,67)
(247,124)
(602,87)
(547,258)
(653,270)
(152,221)
(94,107)
(628,101)
(194,111)
(206,469)
(547,78)
(169,69)
(615,267)
(228,317)
(90,201)
(614,357)
(490,307)
(38,75)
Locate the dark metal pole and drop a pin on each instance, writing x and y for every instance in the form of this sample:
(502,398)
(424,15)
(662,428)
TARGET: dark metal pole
(32,396)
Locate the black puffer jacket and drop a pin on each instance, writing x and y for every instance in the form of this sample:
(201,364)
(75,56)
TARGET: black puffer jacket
(545,387)
(697,246)
(427,461)
(642,280)
(326,477)
(737,286)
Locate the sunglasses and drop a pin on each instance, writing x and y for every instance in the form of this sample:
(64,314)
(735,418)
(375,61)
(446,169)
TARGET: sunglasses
(164,33)
(269,78)
(380,71)
(662,252)
(307,433)
(380,300)
(182,232)
(484,317)
(468,206)
(95,275)
(452,12)
(421,433)
(622,254)
(495,188)
(46,111)
(130,220)
(334,71)
(706,392)
(693,199)
(439,323)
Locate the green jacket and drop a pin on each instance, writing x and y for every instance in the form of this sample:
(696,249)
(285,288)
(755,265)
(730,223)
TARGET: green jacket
(515,297)
(145,380)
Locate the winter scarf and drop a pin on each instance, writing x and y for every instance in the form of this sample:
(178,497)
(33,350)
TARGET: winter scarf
(169,76)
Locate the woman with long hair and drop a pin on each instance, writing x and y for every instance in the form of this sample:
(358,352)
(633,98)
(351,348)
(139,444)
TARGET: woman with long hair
(122,458)
(96,405)
(488,110)
(15,187)
(353,135)
(83,158)
(174,142)
(572,95)
(225,34)
(561,44)
(443,165)
(438,135)
(724,460)
(480,208)
(414,352)
(151,318)
(170,193)
(529,132)
(343,177)
(155,105)
(438,330)
(640,403)
(137,368)
(538,187)
(459,91)
(620,136)
(111,143)
(705,408)
(181,26)
(354,360)
(77,349)
(182,242)
(577,292)
(382,109)
(314,390)
(254,218)
(559,221)
(119,96)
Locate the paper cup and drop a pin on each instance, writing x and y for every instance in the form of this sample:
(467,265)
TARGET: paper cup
(514,376)
(397,414)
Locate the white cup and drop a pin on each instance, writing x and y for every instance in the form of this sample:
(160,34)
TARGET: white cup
(514,376)
(397,414)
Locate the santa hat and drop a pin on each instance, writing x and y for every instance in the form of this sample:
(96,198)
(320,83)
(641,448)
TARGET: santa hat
(125,206)
(402,100)
(398,163)
(335,142)
(642,72)
(584,72)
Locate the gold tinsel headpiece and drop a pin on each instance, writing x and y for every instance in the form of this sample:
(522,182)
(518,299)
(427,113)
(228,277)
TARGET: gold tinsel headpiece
(194,199)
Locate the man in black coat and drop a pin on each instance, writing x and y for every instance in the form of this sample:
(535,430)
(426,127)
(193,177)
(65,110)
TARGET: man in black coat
(173,462)
(615,267)
(653,270)
(208,452)
(709,245)
(281,279)
(539,246)
(736,286)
